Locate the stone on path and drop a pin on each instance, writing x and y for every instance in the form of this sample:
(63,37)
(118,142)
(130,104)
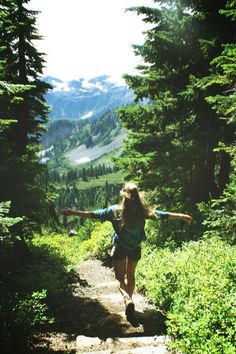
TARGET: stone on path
(140,350)
(86,342)
(129,345)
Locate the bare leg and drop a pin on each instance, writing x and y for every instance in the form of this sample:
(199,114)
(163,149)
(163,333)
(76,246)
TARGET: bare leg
(120,271)
(126,268)
(130,273)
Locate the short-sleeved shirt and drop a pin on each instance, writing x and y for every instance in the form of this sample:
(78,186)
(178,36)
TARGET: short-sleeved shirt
(128,239)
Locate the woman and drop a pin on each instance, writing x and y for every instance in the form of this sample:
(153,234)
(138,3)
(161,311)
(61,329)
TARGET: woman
(128,220)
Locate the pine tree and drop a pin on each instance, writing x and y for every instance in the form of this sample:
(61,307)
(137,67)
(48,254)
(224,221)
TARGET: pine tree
(220,215)
(223,76)
(26,105)
(172,138)
(84,175)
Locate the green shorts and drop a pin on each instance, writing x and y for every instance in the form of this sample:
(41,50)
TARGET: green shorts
(118,253)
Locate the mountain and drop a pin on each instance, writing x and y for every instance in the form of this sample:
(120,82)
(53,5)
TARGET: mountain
(83,126)
(81,99)
(82,141)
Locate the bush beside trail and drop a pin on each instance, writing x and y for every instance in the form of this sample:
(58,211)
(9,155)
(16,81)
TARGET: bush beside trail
(32,290)
(195,286)
(99,244)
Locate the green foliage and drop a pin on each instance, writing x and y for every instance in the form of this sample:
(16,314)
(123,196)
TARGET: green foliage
(23,309)
(223,78)
(55,257)
(113,179)
(100,131)
(30,312)
(195,285)
(229,10)
(6,222)
(99,243)
(94,194)
(172,233)
(24,110)
(21,316)
(68,248)
(220,214)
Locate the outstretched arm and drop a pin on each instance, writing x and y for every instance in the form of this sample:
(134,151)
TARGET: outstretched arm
(179,216)
(72,212)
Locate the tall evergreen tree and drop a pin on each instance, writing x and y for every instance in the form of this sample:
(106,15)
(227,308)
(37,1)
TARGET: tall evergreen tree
(223,224)
(172,139)
(223,75)
(21,66)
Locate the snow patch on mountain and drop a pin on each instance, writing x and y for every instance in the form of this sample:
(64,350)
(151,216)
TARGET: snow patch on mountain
(87,115)
(60,86)
(102,83)
(82,160)
(83,154)
(96,85)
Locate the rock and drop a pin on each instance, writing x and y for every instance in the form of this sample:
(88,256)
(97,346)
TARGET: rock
(138,340)
(98,352)
(72,232)
(87,342)
(145,350)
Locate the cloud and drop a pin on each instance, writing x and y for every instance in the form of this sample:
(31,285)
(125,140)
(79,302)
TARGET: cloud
(89,38)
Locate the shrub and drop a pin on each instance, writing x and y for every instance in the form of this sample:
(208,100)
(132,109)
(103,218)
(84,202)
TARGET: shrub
(195,285)
(20,316)
(66,247)
(99,243)
(220,214)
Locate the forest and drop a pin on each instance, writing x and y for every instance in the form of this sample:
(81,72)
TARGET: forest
(180,149)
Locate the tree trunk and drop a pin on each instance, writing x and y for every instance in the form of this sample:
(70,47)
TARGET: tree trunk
(224,170)
(204,185)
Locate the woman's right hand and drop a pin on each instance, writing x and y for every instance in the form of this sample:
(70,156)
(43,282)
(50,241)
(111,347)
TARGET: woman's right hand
(68,211)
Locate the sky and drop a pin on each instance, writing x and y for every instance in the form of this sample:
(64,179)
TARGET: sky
(89,38)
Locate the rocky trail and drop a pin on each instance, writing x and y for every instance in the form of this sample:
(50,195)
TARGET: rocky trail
(101,326)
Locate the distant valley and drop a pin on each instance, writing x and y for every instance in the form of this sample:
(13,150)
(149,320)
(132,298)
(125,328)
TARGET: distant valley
(84,127)
(83,136)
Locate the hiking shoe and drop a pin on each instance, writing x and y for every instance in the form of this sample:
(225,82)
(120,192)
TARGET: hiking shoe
(129,309)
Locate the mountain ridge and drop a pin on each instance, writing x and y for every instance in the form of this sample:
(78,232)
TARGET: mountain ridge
(81,99)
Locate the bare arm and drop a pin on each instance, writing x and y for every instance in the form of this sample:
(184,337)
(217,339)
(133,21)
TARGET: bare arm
(179,216)
(72,212)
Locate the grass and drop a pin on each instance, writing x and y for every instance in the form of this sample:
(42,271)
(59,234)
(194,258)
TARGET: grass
(111,178)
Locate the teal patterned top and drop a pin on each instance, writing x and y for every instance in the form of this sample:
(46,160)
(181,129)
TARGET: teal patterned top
(128,239)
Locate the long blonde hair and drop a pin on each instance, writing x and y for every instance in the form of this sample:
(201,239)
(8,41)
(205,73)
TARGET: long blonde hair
(133,206)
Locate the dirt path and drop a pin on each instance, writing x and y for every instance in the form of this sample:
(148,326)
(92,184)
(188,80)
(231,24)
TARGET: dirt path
(102,326)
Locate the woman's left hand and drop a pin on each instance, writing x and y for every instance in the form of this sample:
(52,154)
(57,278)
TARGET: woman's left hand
(187,218)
